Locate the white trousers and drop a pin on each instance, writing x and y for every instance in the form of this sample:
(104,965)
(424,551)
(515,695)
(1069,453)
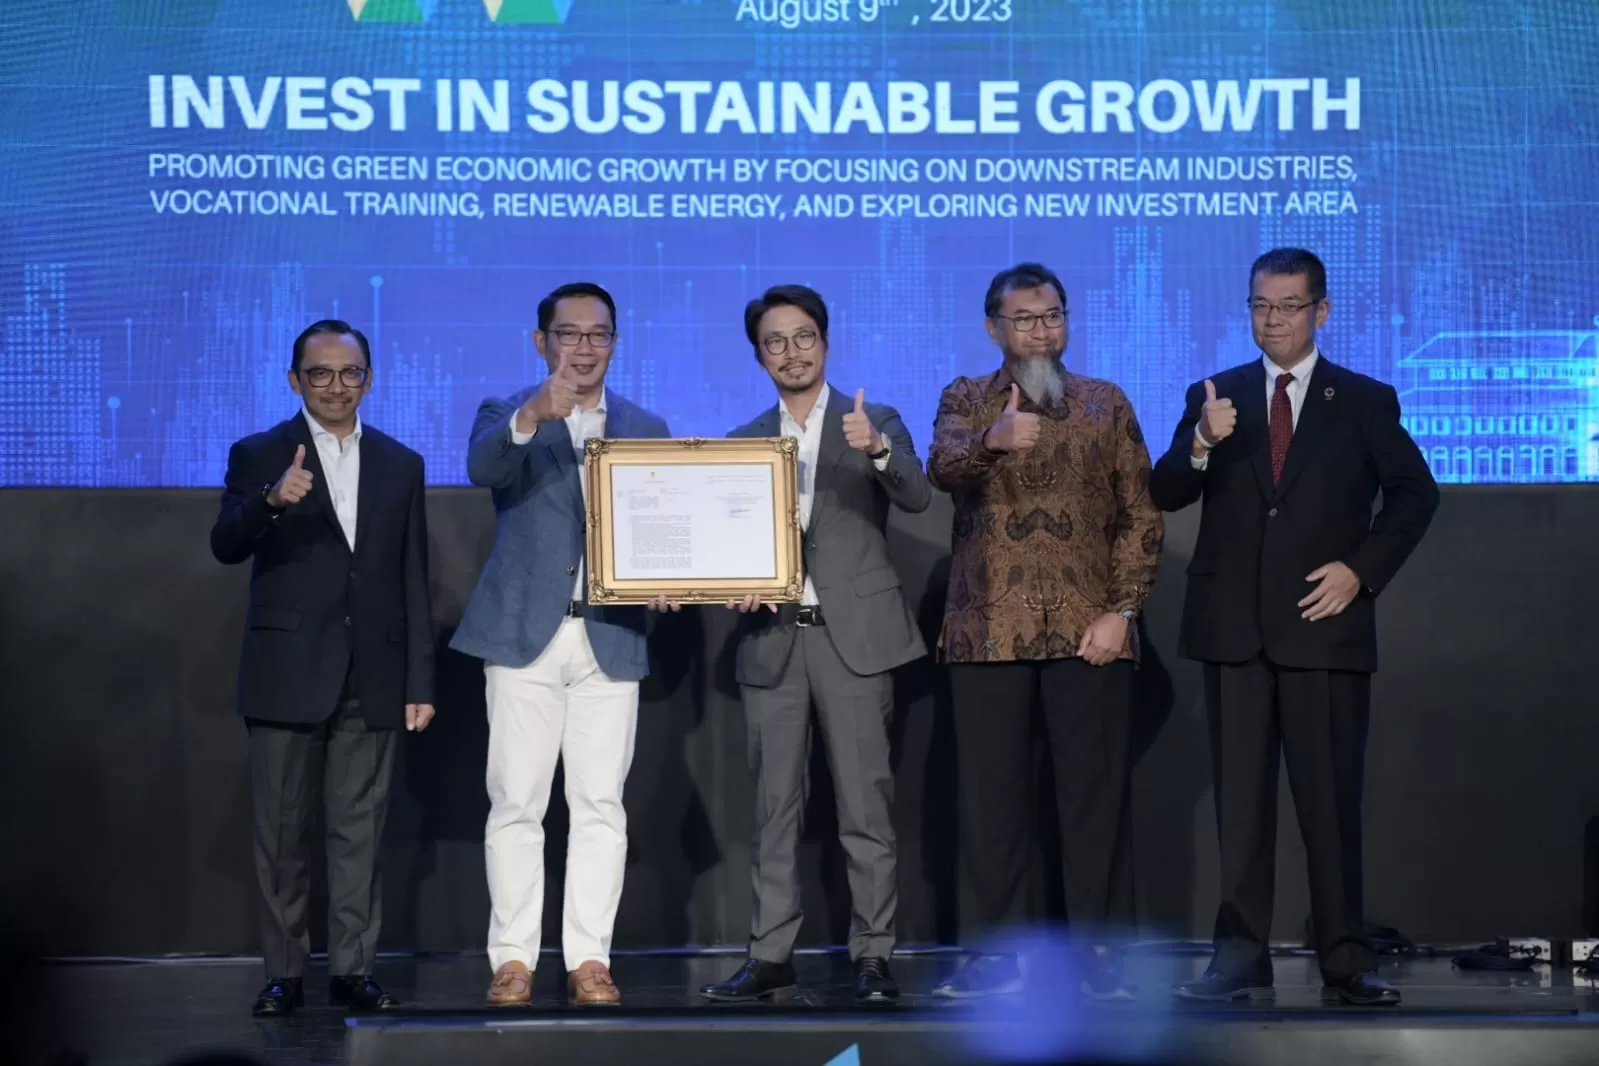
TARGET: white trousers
(562,705)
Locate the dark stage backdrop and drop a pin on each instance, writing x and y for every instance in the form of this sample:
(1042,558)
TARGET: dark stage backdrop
(124,790)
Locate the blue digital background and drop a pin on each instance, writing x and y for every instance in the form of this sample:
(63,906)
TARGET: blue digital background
(136,347)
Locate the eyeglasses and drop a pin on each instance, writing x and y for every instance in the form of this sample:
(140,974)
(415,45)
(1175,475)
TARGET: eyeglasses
(1264,308)
(777,344)
(320,377)
(1024,322)
(597,338)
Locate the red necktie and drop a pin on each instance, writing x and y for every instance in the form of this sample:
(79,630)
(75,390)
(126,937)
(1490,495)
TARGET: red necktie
(1282,425)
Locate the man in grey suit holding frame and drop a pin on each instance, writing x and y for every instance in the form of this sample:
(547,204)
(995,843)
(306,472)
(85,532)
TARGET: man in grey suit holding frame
(835,650)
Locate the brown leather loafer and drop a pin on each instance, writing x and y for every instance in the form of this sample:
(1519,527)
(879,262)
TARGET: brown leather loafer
(512,986)
(590,985)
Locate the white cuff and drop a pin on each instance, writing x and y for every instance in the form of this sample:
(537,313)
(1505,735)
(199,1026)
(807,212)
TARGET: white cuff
(516,437)
(881,463)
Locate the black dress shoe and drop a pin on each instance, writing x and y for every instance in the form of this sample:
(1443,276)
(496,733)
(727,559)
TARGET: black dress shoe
(280,997)
(755,980)
(359,993)
(873,982)
(1220,988)
(1365,990)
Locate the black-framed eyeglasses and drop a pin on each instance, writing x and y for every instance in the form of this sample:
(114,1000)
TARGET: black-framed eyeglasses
(320,377)
(1024,322)
(597,338)
(1287,309)
(777,344)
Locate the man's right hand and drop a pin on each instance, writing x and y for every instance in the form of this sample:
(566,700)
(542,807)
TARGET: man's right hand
(1217,419)
(748,604)
(1016,430)
(293,486)
(554,400)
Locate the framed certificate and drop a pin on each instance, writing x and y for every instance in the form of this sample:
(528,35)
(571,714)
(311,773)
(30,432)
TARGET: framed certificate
(694,520)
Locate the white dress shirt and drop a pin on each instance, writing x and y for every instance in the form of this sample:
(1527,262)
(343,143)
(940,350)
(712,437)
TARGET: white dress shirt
(1297,389)
(341,466)
(581,425)
(810,443)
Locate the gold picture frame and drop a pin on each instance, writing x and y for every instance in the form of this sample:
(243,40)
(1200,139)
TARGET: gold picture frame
(712,469)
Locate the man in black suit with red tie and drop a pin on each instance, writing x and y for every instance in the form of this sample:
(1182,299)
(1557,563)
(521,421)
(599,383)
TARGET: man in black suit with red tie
(1286,455)
(337,658)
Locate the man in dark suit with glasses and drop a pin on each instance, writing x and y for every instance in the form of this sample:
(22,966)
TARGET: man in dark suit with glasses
(337,657)
(1286,455)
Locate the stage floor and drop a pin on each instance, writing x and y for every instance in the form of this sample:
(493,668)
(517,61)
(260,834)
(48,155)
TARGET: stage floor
(133,1013)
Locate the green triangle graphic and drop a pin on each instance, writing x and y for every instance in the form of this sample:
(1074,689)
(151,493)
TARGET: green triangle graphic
(391,11)
(534,12)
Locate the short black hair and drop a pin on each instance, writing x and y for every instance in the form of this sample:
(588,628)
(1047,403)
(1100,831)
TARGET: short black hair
(1020,276)
(330,327)
(803,297)
(571,291)
(1294,262)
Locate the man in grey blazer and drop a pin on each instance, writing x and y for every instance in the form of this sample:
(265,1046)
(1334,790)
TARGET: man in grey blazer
(836,651)
(562,676)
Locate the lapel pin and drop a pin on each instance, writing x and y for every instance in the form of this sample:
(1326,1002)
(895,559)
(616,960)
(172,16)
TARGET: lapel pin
(1329,393)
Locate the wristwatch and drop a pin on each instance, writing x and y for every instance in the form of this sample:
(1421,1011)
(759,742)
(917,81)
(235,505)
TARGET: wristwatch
(875,456)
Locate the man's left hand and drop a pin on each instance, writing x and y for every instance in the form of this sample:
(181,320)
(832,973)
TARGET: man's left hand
(663,604)
(1104,640)
(417,716)
(1336,589)
(859,433)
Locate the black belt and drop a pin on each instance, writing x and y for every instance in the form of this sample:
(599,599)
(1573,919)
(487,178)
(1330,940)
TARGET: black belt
(574,609)
(810,615)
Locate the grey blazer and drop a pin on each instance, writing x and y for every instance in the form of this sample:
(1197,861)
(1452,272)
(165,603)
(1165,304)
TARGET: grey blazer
(845,551)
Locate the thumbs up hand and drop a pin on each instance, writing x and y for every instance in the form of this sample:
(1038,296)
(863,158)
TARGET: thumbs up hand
(1016,430)
(1217,418)
(859,433)
(554,400)
(293,486)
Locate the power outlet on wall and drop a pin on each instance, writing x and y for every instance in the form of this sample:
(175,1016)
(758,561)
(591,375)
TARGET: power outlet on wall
(1582,950)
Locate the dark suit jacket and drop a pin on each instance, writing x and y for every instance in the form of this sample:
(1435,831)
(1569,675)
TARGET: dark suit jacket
(313,602)
(1258,541)
(845,550)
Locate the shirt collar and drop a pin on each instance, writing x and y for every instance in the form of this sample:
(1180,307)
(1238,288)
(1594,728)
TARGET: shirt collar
(599,408)
(1301,372)
(1002,379)
(321,432)
(784,415)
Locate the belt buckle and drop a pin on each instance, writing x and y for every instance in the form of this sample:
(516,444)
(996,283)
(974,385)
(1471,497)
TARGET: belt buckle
(806,618)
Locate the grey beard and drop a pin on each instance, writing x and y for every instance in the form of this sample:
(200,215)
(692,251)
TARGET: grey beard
(1040,378)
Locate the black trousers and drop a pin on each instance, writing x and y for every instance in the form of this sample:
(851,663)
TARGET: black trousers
(1316,722)
(1086,712)
(344,766)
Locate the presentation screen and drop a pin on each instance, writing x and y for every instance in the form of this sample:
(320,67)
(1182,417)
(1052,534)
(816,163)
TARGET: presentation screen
(188,183)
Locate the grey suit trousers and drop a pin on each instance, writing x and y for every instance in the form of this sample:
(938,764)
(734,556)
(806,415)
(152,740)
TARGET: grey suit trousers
(342,766)
(853,712)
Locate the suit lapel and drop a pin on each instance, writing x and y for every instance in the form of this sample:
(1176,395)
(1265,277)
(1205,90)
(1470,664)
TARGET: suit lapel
(1251,406)
(558,439)
(769,424)
(300,433)
(829,450)
(1315,414)
(366,486)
